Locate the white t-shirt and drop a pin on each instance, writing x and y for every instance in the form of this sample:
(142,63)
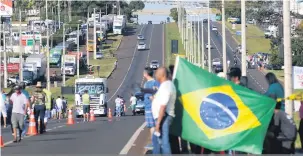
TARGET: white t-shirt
(166,95)
(19,102)
(59,103)
(77,99)
(118,102)
(133,100)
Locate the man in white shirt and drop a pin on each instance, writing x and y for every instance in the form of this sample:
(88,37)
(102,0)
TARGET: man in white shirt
(133,102)
(163,106)
(59,105)
(118,102)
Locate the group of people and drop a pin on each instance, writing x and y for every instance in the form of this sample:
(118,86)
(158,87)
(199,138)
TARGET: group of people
(119,102)
(160,97)
(17,105)
(58,108)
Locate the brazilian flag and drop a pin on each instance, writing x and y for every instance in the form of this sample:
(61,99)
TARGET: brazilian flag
(218,114)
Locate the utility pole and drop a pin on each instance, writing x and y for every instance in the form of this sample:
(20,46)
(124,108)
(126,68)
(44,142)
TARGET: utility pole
(59,14)
(187,38)
(69,10)
(20,50)
(192,41)
(47,48)
(243,37)
(287,57)
(199,42)
(78,50)
(224,40)
(4,58)
(95,37)
(87,52)
(100,47)
(203,52)
(208,32)
(195,40)
(63,57)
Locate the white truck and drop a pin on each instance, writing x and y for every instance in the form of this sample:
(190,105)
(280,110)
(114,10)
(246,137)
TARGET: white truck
(97,89)
(70,65)
(40,64)
(30,73)
(119,25)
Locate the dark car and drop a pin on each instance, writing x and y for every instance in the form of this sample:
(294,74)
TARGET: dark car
(205,20)
(150,22)
(218,68)
(140,96)
(140,107)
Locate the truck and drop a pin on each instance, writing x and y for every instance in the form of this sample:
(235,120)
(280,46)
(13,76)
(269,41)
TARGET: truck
(30,73)
(97,89)
(70,65)
(119,24)
(72,37)
(55,56)
(40,65)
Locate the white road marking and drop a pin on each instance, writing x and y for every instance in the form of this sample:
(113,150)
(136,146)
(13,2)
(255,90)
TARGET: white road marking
(131,141)
(134,54)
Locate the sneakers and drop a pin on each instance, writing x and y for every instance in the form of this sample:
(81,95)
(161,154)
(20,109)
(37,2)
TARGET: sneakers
(149,147)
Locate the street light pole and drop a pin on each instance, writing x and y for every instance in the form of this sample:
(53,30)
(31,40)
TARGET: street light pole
(208,32)
(199,42)
(203,52)
(187,38)
(4,58)
(287,57)
(47,48)
(78,51)
(224,39)
(87,27)
(63,58)
(59,14)
(95,37)
(192,41)
(20,50)
(243,37)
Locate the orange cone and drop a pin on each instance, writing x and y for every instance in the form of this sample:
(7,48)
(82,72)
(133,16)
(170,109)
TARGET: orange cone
(124,108)
(32,125)
(109,115)
(92,116)
(1,141)
(70,120)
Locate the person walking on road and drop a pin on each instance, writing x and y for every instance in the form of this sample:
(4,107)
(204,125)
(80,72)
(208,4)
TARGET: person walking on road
(64,108)
(86,105)
(25,92)
(150,84)
(20,105)
(3,110)
(163,110)
(133,102)
(118,103)
(275,89)
(59,107)
(39,107)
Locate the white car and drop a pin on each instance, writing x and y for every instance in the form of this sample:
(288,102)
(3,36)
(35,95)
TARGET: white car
(208,46)
(214,28)
(141,46)
(154,64)
(99,55)
(140,37)
(216,62)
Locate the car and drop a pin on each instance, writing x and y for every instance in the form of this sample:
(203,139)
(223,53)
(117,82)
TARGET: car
(216,62)
(99,55)
(214,28)
(140,37)
(206,46)
(205,20)
(154,64)
(141,46)
(250,21)
(218,68)
(140,107)
(150,22)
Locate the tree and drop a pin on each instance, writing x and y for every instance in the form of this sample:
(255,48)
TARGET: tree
(274,58)
(297,51)
(136,5)
(174,13)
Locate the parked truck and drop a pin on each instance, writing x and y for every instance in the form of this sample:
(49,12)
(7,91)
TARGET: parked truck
(36,63)
(30,73)
(119,25)
(70,65)
(97,89)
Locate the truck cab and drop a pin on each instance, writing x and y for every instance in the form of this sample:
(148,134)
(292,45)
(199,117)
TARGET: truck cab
(97,89)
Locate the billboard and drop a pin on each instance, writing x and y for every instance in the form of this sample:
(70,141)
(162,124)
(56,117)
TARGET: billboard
(11,67)
(6,7)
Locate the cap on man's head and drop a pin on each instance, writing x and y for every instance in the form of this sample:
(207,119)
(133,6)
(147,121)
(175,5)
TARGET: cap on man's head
(17,88)
(235,72)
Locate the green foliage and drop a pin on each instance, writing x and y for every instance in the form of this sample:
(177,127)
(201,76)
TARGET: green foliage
(136,5)
(297,51)
(274,58)
(174,13)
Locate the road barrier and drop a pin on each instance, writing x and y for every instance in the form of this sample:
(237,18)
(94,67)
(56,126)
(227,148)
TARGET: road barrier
(32,130)
(295,97)
(109,115)
(1,141)
(92,116)
(70,120)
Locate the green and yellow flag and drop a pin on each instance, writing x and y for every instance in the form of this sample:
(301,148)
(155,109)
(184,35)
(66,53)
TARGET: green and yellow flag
(218,114)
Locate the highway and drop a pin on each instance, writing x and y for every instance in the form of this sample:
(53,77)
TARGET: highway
(256,79)
(102,136)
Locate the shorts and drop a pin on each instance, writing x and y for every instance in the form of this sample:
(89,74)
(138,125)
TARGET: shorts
(3,113)
(149,119)
(85,109)
(54,112)
(17,120)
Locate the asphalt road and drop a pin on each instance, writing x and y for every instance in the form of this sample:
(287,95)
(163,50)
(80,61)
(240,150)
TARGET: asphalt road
(256,79)
(102,136)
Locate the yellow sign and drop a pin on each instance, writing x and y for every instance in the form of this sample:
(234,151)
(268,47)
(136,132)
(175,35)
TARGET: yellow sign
(90,46)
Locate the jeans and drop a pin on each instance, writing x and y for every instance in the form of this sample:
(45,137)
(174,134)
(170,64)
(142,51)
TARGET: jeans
(25,127)
(39,111)
(118,110)
(48,114)
(161,144)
